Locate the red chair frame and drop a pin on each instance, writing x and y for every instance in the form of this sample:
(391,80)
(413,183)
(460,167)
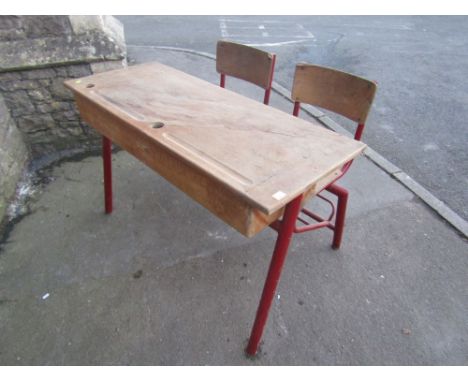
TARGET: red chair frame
(356,108)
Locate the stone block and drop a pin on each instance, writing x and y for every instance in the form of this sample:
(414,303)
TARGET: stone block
(11,28)
(72,128)
(10,22)
(65,115)
(10,76)
(9,86)
(71,115)
(39,74)
(59,91)
(61,71)
(39,95)
(45,82)
(77,71)
(46,26)
(104,66)
(19,103)
(54,108)
(36,123)
(83,24)
(44,108)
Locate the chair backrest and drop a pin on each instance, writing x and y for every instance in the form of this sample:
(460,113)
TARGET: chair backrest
(246,63)
(340,92)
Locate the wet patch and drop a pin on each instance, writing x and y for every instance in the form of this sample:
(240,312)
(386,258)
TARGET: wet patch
(36,176)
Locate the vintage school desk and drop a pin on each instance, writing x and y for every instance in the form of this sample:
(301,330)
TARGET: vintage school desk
(247,163)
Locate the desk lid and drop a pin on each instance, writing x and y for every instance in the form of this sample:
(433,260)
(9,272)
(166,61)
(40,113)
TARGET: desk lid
(266,156)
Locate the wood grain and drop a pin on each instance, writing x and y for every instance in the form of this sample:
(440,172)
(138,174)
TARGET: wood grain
(244,62)
(237,157)
(340,92)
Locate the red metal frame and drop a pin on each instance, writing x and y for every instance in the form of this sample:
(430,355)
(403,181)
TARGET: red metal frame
(287,227)
(285,233)
(107,167)
(340,192)
(297,107)
(266,98)
(222,81)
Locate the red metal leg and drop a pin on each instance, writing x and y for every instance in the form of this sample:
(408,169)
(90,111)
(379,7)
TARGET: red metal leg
(107,165)
(297,106)
(279,255)
(266,98)
(342,194)
(359,131)
(222,81)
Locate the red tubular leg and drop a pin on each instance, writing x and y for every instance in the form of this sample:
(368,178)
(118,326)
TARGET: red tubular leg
(107,164)
(222,81)
(359,130)
(266,99)
(279,255)
(297,106)
(342,194)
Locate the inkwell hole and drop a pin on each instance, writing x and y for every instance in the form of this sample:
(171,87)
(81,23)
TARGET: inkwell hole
(157,125)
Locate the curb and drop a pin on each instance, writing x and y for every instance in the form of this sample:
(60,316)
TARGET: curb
(395,172)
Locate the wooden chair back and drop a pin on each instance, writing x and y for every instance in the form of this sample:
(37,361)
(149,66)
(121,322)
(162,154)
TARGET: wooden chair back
(334,90)
(241,61)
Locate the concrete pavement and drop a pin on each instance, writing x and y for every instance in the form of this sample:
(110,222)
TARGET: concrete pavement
(161,281)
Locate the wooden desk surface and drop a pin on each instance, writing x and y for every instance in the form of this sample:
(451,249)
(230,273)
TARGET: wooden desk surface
(215,145)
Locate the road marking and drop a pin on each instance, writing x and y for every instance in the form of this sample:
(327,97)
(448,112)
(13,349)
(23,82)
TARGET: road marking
(277,43)
(223,27)
(308,33)
(254,32)
(256,21)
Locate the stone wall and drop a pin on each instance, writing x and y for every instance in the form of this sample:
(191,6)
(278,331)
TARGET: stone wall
(43,108)
(13,156)
(37,53)
(38,115)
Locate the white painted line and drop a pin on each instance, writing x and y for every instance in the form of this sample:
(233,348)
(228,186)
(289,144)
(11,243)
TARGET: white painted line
(279,43)
(301,37)
(256,21)
(308,33)
(223,27)
(266,34)
(252,27)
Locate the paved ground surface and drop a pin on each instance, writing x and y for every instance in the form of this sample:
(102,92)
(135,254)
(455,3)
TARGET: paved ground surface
(161,281)
(418,120)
